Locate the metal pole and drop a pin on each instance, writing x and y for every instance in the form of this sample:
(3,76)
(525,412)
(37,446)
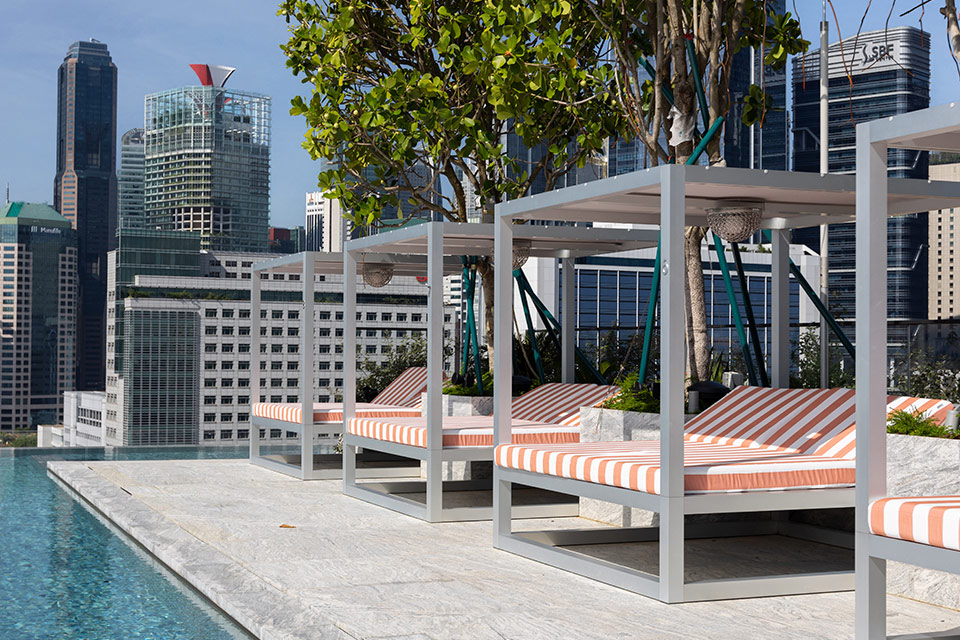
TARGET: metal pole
(735,310)
(824,168)
(307,390)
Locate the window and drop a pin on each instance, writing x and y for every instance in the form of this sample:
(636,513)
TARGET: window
(276,366)
(210,382)
(293,348)
(325,333)
(275,434)
(226,313)
(227,366)
(209,417)
(226,434)
(243,382)
(243,365)
(371,317)
(243,434)
(293,365)
(323,315)
(401,317)
(276,314)
(338,333)
(226,348)
(243,400)
(371,348)
(226,417)
(293,382)
(226,382)
(209,399)
(210,313)
(293,331)
(210,364)
(243,331)
(276,331)
(209,348)
(323,382)
(245,313)
(417,317)
(227,331)
(386,317)
(339,315)
(293,399)
(293,315)
(209,435)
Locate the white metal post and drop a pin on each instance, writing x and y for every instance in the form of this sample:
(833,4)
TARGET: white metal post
(824,169)
(502,329)
(349,361)
(871,328)
(568,339)
(780,303)
(672,375)
(502,366)
(434,407)
(307,391)
(254,359)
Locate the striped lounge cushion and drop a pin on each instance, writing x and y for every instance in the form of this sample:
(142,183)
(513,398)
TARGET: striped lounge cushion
(708,467)
(559,403)
(459,431)
(547,414)
(755,438)
(329,411)
(933,520)
(406,390)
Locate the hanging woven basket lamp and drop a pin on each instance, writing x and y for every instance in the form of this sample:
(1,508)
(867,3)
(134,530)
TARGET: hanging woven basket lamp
(377,274)
(521,252)
(736,221)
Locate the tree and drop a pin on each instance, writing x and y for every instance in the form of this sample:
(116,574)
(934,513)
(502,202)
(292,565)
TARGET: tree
(417,97)
(663,109)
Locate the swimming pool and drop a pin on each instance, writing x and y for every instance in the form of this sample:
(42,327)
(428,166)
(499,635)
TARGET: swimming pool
(65,574)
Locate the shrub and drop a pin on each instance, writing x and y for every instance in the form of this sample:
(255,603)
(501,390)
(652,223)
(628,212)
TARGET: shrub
(916,423)
(633,397)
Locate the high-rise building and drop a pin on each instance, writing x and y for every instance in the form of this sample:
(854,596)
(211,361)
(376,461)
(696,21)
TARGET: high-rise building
(207,162)
(326,227)
(282,240)
(181,372)
(130,180)
(85,189)
(874,75)
(38,332)
(944,264)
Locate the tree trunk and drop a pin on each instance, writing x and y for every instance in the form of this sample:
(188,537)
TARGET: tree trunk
(486,271)
(698,347)
(949,11)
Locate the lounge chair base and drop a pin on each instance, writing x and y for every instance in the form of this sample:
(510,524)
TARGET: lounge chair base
(435,500)
(558,548)
(329,466)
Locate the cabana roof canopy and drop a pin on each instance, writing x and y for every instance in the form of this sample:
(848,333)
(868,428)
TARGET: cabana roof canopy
(406,247)
(790,199)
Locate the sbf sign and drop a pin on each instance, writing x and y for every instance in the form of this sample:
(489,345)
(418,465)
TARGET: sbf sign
(875,52)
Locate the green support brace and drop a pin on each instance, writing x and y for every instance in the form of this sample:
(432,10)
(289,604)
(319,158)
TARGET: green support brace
(531,334)
(818,303)
(549,321)
(697,81)
(734,309)
(751,321)
(648,323)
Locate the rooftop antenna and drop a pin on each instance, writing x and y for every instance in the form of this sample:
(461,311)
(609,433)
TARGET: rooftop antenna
(8,193)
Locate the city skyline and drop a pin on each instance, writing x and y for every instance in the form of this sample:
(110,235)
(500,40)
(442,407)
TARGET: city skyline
(153,46)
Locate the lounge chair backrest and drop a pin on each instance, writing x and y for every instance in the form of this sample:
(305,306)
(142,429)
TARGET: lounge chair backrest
(816,421)
(797,420)
(559,403)
(405,390)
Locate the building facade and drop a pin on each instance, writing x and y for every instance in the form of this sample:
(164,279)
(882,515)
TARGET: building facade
(282,240)
(207,162)
(770,139)
(890,74)
(38,252)
(326,227)
(130,210)
(197,323)
(944,264)
(85,188)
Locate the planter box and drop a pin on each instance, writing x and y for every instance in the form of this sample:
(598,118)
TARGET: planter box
(465,405)
(916,466)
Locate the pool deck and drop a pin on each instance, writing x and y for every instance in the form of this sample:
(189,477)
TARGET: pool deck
(348,569)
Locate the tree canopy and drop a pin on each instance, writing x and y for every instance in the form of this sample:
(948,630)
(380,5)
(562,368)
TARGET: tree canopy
(415,97)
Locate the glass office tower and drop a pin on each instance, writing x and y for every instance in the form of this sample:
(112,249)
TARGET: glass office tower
(890,73)
(85,189)
(207,163)
(130,180)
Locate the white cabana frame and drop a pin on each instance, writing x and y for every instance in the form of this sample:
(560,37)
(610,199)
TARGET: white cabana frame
(438,245)
(307,265)
(934,129)
(675,196)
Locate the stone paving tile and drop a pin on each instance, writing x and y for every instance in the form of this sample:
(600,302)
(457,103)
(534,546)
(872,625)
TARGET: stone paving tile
(353,570)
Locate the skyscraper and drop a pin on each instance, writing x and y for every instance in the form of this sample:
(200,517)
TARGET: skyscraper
(85,189)
(770,137)
(38,247)
(130,180)
(890,74)
(326,226)
(207,162)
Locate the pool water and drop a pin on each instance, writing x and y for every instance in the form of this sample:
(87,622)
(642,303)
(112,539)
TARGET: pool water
(64,573)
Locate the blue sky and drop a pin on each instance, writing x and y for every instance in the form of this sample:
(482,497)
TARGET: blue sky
(152,44)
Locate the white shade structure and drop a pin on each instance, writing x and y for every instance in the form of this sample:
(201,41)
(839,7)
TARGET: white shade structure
(674,197)
(438,247)
(918,530)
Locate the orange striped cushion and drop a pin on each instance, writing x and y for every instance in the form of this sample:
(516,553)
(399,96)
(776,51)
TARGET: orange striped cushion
(328,411)
(459,431)
(933,520)
(559,403)
(932,408)
(406,390)
(708,467)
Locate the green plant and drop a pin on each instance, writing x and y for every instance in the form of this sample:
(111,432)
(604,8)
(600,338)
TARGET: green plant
(633,397)
(916,423)
(23,438)
(471,390)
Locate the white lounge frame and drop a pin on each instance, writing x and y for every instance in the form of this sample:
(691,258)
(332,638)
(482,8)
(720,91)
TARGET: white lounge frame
(435,243)
(307,265)
(908,131)
(674,196)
